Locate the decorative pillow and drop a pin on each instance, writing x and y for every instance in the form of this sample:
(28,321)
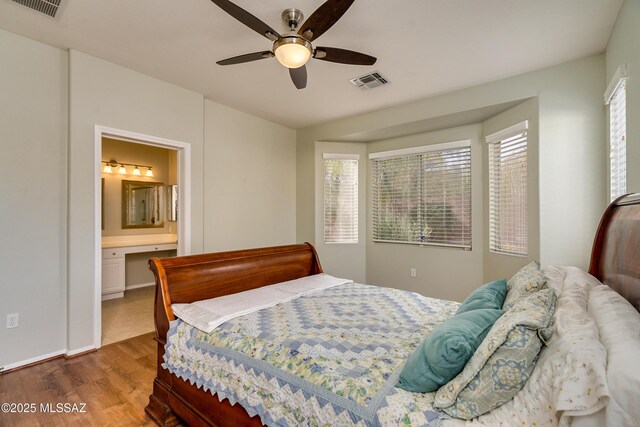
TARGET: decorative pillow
(491,295)
(503,362)
(527,280)
(445,350)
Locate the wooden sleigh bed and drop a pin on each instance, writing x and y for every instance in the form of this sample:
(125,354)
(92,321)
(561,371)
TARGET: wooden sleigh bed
(615,261)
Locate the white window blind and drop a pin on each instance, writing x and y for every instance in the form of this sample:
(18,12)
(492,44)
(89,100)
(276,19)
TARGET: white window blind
(508,214)
(617,140)
(340,199)
(423,195)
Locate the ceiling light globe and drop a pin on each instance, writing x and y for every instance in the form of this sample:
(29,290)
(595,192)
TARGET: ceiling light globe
(292,51)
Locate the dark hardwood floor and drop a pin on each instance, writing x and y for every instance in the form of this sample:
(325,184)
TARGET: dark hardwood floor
(114,383)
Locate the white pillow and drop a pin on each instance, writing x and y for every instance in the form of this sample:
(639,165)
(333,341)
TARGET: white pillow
(619,326)
(207,315)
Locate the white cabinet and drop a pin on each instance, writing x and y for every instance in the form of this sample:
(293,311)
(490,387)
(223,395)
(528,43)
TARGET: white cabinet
(113,266)
(113,277)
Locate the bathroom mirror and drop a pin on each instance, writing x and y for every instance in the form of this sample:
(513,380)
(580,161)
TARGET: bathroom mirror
(172,202)
(142,204)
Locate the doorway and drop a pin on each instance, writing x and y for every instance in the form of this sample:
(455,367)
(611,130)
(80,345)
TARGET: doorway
(133,223)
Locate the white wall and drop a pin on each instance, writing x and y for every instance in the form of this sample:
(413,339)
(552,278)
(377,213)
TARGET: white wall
(33,206)
(51,102)
(447,273)
(624,49)
(501,266)
(572,174)
(249,181)
(102,93)
(342,260)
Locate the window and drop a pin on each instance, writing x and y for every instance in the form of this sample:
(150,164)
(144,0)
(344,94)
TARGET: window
(616,98)
(422,195)
(340,198)
(508,195)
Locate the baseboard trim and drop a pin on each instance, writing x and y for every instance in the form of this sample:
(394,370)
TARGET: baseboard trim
(139,285)
(107,297)
(32,361)
(80,351)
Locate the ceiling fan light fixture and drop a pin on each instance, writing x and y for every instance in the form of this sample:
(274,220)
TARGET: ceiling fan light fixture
(292,51)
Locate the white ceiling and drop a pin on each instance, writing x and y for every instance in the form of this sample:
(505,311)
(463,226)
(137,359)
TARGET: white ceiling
(424,47)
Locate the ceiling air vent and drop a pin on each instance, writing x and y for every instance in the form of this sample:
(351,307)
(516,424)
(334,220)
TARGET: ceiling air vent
(369,81)
(48,7)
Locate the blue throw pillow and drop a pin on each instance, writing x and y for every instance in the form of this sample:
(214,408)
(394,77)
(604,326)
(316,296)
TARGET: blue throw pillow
(445,351)
(491,295)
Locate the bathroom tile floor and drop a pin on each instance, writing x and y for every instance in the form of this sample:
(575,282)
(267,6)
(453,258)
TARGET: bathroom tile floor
(129,316)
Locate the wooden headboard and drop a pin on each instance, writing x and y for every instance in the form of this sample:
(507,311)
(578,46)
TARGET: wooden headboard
(615,259)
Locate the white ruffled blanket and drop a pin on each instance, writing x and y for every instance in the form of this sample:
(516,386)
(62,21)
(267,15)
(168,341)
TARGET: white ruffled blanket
(569,382)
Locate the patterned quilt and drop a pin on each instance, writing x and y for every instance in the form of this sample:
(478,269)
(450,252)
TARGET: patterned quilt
(327,359)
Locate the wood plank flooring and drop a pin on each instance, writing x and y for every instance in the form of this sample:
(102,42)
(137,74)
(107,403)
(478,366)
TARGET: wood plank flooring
(114,382)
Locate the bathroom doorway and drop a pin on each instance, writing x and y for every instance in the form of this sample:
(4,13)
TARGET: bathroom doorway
(142,210)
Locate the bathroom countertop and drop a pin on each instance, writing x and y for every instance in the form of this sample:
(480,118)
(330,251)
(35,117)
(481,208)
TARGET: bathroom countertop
(138,240)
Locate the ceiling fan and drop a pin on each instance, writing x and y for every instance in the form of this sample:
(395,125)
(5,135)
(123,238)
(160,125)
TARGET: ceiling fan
(294,49)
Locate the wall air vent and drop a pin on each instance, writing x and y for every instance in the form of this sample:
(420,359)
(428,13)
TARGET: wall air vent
(48,7)
(369,81)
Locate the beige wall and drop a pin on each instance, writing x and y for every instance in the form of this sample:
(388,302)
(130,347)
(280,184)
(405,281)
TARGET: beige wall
(624,49)
(128,152)
(249,181)
(164,163)
(571,175)
(500,266)
(33,206)
(137,267)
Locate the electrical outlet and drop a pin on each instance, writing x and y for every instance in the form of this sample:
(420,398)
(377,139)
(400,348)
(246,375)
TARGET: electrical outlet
(412,272)
(12,320)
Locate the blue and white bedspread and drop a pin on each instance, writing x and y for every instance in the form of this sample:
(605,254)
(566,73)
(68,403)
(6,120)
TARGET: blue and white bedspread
(327,359)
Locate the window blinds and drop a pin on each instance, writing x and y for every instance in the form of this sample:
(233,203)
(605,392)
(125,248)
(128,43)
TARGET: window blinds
(340,199)
(423,195)
(508,195)
(617,138)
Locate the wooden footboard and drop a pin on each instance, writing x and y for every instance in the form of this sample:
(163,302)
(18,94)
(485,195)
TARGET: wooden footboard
(192,278)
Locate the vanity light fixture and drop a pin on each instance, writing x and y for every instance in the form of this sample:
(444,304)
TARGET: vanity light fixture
(110,165)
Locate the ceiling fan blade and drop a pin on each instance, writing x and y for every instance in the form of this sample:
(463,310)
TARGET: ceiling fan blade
(246,58)
(299,76)
(343,56)
(247,19)
(323,18)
